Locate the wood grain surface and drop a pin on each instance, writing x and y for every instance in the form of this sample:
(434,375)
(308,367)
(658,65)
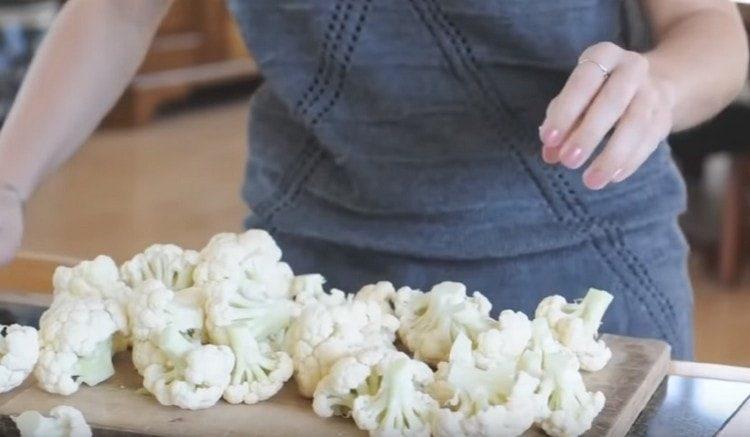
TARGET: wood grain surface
(628,381)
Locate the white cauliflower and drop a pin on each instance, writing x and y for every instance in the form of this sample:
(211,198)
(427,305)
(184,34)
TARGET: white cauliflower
(227,305)
(505,342)
(260,370)
(383,293)
(193,377)
(576,326)
(572,408)
(19,351)
(253,328)
(430,322)
(167,263)
(154,307)
(308,289)
(499,401)
(399,405)
(98,278)
(64,421)
(349,378)
(542,341)
(76,338)
(146,353)
(322,334)
(251,260)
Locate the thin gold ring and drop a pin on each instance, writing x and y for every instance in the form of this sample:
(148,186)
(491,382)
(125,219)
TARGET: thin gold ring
(601,67)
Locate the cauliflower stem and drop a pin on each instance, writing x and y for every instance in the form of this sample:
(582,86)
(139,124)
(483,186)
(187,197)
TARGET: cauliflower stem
(175,346)
(251,364)
(592,308)
(395,404)
(97,366)
(398,407)
(259,319)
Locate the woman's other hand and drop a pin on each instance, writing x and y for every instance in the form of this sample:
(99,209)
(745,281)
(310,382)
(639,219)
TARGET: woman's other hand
(696,68)
(611,89)
(11,223)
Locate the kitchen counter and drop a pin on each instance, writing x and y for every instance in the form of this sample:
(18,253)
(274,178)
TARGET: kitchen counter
(698,399)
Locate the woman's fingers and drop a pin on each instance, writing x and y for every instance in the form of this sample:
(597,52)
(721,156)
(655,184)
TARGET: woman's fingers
(582,86)
(551,155)
(637,134)
(606,109)
(610,90)
(658,131)
(551,152)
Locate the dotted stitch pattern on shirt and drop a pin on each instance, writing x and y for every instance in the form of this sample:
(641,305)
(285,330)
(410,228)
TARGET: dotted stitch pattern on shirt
(336,70)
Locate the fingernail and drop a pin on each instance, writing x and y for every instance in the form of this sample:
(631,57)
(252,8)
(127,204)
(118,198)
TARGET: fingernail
(596,179)
(552,138)
(618,175)
(573,158)
(550,155)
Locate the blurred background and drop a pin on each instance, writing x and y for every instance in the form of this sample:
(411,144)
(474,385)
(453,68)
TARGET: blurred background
(167,164)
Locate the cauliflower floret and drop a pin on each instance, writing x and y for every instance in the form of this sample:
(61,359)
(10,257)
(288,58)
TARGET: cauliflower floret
(63,372)
(98,278)
(260,371)
(76,338)
(350,377)
(194,375)
(251,260)
(542,341)
(64,421)
(572,408)
(495,421)
(253,327)
(430,322)
(323,334)
(499,401)
(167,263)
(227,305)
(154,307)
(576,326)
(19,351)
(146,353)
(505,342)
(399,405)
(308,289)
(383,293)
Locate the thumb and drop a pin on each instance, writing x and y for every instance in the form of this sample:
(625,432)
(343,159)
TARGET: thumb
(11,231)
(8,248)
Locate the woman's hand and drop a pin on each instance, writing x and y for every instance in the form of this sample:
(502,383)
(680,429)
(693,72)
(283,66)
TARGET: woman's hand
(611,89)
(11,223)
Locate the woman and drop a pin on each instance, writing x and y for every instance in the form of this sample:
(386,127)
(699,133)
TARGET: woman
(399,139)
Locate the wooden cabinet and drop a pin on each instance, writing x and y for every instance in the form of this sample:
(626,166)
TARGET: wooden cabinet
(198,44)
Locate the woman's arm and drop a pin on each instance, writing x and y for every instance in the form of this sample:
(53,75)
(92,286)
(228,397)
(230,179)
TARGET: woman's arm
(702,50)
(84,63)
(697,67)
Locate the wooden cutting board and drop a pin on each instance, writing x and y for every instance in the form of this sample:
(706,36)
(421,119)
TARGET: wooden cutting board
(631,377)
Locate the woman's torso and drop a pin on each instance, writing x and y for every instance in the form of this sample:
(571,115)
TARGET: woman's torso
(410,126)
